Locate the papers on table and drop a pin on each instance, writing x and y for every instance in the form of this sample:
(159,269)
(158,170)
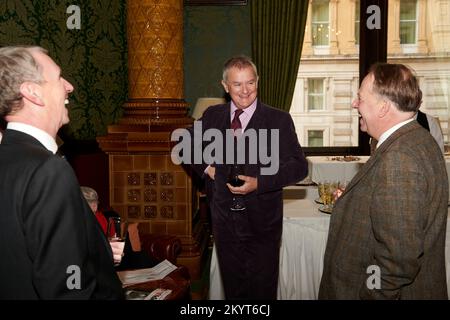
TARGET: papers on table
(158,272)
(157,294)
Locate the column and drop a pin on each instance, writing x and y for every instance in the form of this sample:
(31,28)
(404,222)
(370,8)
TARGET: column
(307,41)
(394,27)
(333,27)
(422,46)
(145,186)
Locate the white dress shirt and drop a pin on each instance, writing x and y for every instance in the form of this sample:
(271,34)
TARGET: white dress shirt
(43,137)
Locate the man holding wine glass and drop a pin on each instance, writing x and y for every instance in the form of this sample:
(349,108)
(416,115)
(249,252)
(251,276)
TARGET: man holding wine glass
(245,201)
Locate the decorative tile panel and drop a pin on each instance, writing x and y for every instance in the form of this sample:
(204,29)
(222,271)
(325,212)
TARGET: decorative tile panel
(167,212)
(167,195)
(150,195)
(150,212)
(134,195)
(134,179)
(134,212)
(166,179)
(150,179)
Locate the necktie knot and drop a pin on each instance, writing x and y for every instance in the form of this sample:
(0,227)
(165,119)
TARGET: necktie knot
(236,123)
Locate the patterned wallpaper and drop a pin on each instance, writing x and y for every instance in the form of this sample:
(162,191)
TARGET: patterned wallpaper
(92,58)
(212,34)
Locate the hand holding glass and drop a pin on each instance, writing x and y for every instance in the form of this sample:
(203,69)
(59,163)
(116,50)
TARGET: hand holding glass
(238,200)
(116,235)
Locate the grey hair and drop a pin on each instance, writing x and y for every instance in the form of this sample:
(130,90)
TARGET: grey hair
(239,62)
(17,65)
(89,194)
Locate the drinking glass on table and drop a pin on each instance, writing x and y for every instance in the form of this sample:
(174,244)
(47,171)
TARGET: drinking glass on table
(327,194)
(116,232)
(322,188)
(334,185)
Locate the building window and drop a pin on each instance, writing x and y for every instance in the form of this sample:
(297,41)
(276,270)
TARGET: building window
(320,24)
(315,94)
(327,84)
(408,21)
(315,138)
(357,19)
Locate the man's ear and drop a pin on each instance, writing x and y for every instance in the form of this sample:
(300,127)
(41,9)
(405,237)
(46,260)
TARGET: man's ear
(384,109)
(32,92)
(225,86)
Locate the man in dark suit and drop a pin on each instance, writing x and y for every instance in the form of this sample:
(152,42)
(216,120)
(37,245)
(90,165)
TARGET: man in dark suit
(248,240)
(387,231)
(52,247)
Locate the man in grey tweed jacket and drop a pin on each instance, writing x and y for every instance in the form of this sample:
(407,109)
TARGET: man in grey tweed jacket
(387,230)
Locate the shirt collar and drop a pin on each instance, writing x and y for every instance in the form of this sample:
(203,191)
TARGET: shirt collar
(390,131)
(247,111)
(43,137)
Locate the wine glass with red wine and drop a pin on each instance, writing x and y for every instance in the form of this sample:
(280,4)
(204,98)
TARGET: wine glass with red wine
(238,200)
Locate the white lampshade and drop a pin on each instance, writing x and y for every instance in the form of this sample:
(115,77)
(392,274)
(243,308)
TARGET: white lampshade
(203,104)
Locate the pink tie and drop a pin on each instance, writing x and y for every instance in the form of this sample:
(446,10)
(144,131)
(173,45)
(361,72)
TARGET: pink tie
(236,123)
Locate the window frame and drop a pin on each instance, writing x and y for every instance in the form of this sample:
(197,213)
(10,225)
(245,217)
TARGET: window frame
(372,48)
(323,94)
(319,46)
(325,133)
(416,27)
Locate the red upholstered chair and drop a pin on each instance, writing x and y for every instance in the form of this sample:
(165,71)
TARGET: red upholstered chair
(161,247)
(158,246)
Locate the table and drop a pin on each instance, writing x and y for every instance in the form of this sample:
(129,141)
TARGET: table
(305,232)
(323,168)
(303,243)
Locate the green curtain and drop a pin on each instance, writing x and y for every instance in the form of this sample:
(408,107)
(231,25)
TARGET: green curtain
(93,58)
(278,27)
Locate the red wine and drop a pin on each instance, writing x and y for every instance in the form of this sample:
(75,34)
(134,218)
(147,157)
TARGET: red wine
(236,182)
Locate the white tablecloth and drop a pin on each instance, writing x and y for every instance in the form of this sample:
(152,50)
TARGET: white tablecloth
(323,168)
(305,231)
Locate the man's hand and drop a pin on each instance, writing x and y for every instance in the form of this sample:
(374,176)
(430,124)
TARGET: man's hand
(211,171)
(250,185)
(117,250)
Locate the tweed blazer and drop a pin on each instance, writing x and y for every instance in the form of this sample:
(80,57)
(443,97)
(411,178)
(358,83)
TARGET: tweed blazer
(393,216)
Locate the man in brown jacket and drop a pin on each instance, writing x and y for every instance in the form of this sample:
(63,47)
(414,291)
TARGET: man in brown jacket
(387,230)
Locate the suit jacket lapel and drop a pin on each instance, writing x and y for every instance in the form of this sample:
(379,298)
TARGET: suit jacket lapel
(257,121)
(224,120)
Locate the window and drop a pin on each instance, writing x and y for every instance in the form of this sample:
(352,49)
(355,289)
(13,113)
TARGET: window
(315,94)
(315,138)
(357,19)
(328,82)
(320,25)
(408,21)
(430,58)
